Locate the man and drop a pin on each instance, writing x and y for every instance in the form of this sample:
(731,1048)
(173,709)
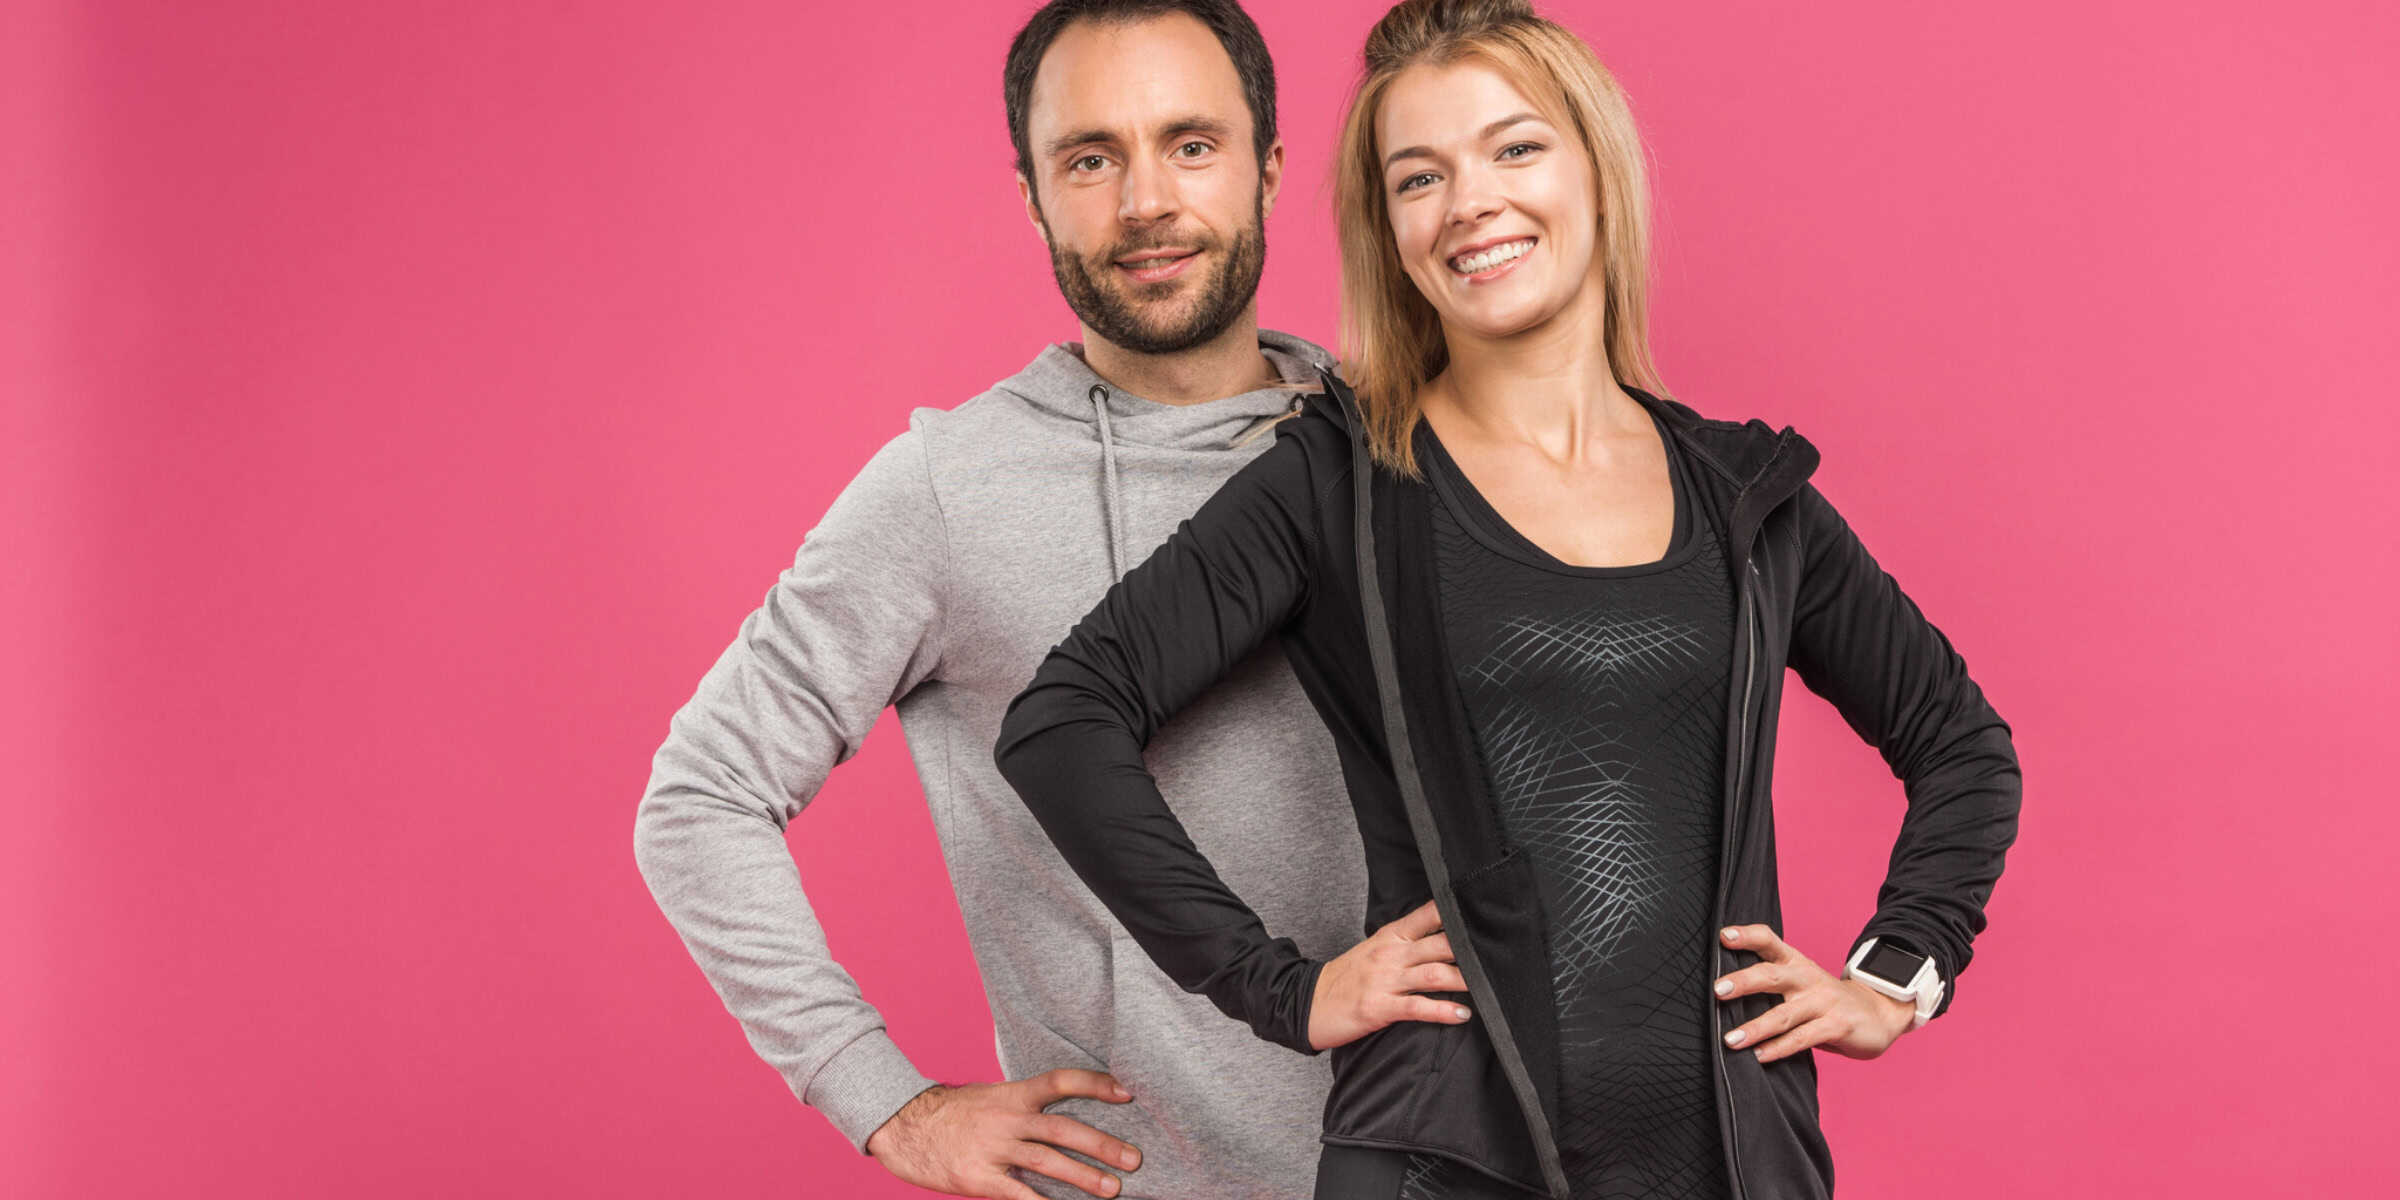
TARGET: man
(1147,159)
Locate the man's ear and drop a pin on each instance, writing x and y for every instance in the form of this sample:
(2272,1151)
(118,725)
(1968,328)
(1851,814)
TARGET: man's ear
(1033,208)
(1270,177)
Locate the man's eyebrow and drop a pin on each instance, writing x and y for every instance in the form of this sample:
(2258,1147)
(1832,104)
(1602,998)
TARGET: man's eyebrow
(1076,137)
(1196,124)
(1175,127)
(1486,132)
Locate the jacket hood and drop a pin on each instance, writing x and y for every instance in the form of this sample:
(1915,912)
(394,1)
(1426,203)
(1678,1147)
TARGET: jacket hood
(1059,382)
(1750,453)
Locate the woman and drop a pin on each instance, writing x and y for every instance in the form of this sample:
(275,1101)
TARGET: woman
(1545,613)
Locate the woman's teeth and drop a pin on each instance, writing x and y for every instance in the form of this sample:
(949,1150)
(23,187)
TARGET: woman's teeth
(1485,259)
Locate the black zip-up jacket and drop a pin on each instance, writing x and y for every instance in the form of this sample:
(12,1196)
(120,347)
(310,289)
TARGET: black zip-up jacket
(1316,545)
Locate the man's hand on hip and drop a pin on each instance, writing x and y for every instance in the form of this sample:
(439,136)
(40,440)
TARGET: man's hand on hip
(962,1140)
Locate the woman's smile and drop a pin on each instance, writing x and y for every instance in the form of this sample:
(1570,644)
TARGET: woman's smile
(1489,260)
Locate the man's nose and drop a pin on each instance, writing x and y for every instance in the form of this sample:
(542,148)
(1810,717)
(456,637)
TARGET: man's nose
(1149,194)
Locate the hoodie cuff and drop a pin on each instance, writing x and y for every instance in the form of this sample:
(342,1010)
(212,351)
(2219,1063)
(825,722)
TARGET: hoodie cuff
(862,1085)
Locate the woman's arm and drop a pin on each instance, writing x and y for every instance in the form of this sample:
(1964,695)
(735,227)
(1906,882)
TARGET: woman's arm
(1861,643)
(1231,576)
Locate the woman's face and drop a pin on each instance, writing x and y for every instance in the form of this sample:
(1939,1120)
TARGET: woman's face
(1494,211)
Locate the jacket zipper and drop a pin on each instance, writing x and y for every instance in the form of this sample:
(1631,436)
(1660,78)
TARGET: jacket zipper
(1741,773)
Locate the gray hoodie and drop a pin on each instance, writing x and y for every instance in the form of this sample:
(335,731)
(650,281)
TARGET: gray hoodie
(935,583)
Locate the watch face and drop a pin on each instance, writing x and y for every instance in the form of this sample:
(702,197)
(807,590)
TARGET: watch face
(1891,964)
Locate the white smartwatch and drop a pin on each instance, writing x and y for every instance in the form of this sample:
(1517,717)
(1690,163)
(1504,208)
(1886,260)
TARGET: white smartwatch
(1897,973)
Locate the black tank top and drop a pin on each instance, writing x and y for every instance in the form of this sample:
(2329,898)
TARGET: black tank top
(1597,698)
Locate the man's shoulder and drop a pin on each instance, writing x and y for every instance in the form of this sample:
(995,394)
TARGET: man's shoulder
(978,429)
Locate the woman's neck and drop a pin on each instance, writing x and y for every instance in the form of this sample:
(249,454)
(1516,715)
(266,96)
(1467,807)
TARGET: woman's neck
(1549,387)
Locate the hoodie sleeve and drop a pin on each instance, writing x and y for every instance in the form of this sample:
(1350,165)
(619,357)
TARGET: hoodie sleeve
(1861,643)
(1231,576)
(853,625)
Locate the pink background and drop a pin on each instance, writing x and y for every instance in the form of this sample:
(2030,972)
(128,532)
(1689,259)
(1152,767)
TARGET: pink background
(405,402)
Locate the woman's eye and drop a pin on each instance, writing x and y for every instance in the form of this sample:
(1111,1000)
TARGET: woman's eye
(1511,151)
(1415,181)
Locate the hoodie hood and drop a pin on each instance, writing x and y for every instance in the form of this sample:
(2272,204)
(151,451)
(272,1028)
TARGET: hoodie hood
(1059,382)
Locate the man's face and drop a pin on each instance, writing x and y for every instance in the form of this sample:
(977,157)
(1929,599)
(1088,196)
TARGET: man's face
(1145,186)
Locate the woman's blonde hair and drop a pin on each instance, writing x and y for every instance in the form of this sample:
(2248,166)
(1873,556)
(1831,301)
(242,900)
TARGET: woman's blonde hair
(1391,338)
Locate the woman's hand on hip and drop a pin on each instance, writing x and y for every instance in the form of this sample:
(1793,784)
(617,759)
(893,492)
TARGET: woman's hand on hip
(1818,1009)
(1375,983)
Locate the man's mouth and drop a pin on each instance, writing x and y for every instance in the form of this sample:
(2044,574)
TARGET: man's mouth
(1487,260)
(1151,266)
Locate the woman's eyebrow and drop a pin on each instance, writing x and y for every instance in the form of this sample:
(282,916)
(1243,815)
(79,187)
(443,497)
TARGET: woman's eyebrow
(1481,135)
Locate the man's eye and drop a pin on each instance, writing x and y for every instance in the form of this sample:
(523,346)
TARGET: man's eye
(1089,162)
(1192,149)
(1415,181)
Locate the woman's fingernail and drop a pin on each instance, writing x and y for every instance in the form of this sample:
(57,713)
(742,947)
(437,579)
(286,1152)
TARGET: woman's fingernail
(1129,1158)
(1108,1183)
(1724,987)
(1121,1093)
(1734,1038)
(1461,1010)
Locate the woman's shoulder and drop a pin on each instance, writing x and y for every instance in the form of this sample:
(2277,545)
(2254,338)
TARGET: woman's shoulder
(1317,436)
(1737,449)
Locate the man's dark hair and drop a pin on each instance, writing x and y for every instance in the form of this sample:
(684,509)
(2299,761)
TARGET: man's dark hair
(1224,18)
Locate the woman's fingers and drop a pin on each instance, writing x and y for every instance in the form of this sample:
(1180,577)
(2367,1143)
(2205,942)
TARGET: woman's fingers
(1429,949)
(1421,921)
(1757,939)
(1774,1021)
(1765,977)
(1426,1008)
(1811,1033)
(1433,977)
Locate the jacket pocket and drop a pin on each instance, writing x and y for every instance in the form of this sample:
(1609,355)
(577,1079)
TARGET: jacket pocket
(1442,1088)
(1500,909)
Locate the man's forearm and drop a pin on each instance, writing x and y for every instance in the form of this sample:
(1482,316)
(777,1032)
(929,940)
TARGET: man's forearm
(726,880)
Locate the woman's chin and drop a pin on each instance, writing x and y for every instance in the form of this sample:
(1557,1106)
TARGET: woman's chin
(1490,325)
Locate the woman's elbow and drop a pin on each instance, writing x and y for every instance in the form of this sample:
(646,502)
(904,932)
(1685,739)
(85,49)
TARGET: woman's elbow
(1021,730)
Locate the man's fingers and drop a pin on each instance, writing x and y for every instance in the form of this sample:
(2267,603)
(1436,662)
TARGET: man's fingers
(1757,939)
(1002,1187)
(1428,949)
(1765,977)
(1769,1023)
(1041,1159)
(1434,977)
(1418,922)
(1082,1139)
(1050,1087)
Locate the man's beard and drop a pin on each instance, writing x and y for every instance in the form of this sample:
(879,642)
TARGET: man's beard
(1101,301)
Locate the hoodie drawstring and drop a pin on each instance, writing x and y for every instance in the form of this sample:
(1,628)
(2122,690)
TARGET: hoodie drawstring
(1112,497)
